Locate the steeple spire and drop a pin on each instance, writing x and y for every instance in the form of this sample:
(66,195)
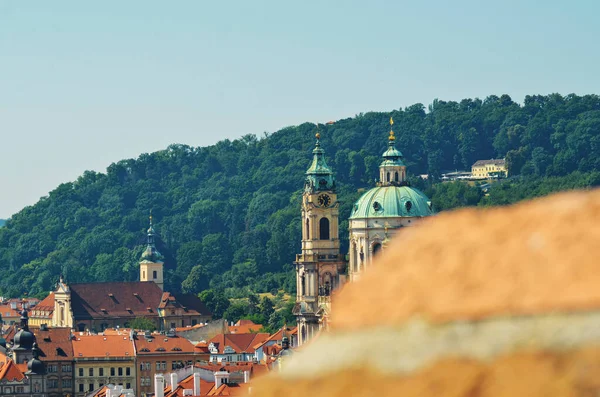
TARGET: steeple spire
(392,170)
(151,253)
(319,176)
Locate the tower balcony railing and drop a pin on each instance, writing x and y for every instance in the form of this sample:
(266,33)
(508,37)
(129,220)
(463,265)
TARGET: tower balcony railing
(324,300)
(319,258)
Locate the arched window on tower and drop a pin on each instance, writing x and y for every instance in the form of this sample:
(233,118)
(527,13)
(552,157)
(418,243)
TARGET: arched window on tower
(387,177)
(396,177)
(307,229)
(376,249)
(324,229)
(154,275)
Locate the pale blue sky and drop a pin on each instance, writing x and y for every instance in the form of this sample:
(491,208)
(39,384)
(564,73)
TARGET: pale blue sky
(84,84)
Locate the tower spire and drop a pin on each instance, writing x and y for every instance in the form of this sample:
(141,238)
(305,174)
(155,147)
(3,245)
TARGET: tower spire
(319,176)
(392,170)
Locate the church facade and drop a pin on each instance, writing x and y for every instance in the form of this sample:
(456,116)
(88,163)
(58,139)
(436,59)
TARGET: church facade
(377,215)
(97,306)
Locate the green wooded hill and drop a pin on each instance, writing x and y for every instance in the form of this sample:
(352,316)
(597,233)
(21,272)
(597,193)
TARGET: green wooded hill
(228,215)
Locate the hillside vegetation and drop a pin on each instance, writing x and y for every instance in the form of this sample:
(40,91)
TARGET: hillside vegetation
(228,214)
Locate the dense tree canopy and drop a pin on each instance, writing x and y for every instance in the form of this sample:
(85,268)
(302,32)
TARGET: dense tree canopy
(228,214)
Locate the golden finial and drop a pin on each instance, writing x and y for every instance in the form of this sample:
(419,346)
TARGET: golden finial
(392,137)
(150,217)
(318,135)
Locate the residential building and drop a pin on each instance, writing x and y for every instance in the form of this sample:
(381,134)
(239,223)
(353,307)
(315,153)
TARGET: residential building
(235,347)
(159,354)
(493,168)
(56,352)
(42,312)
(103,359)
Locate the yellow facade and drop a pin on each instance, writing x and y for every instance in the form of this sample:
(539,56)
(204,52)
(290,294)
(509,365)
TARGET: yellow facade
(90,375)
(488,168)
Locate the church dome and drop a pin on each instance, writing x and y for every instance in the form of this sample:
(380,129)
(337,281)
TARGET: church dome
(392,201)
(35,366)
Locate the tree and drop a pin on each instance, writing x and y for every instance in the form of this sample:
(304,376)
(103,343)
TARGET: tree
(266,307)
(216,302)
(196,281)
(142,324)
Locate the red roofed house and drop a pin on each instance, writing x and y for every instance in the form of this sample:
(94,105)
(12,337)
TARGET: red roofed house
(56,352)
(235,347)
(103,359)
(244,327)
(159,354)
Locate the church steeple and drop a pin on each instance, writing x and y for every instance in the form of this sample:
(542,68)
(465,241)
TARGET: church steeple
(320,266)
(151,264)
(392,170)
(319,176)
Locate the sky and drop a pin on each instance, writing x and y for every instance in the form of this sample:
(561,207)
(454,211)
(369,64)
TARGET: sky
(84,84)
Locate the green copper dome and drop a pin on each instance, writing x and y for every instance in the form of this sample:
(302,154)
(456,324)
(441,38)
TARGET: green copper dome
(392,202)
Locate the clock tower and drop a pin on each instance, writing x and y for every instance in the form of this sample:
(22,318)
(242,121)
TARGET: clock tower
(320,267)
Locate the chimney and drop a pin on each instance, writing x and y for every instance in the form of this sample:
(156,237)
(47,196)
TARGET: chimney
(220,378)
(196,383)
(174,382)
(246,376)
(159,386)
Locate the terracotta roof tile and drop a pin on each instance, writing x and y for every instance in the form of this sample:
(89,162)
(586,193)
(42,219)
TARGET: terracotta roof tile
(102,346)
(9,371)
(89,300)
(55,344)
(240,343)
(169,345)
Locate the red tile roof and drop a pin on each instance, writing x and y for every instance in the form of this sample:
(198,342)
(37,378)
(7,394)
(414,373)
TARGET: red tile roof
(55,344)
(102,346)
(158,344)
(123,299)
(190,302)
(240,343)
(9,372)
(245,327)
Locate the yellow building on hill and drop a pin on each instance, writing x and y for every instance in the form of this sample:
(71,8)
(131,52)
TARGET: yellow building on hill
(489,168)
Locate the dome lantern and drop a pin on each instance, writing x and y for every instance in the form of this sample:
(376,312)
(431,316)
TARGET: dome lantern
(392,171)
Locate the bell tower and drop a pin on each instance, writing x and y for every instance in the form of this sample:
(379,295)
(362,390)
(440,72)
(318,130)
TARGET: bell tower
(151,264)
(320,266)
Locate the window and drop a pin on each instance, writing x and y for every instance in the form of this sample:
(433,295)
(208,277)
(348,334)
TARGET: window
(396,178)
(66,367)
(307,229)
(100,371)
(376,248)
(21,389)
(387,177)
(66,383)
(53,383)
(91,372)
(158,365)
(120,371)
(128,372)
(91,387)
(239,357)
(53,368)
(154,274)
(163,364)
(173,324)
(80,371)
(324,229)
(81,387)
(194,322)
(112,371)
(128,385)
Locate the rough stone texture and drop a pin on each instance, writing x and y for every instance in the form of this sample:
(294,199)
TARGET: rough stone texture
(536,258)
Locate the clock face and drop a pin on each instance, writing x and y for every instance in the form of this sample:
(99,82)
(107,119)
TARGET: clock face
(324,200)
